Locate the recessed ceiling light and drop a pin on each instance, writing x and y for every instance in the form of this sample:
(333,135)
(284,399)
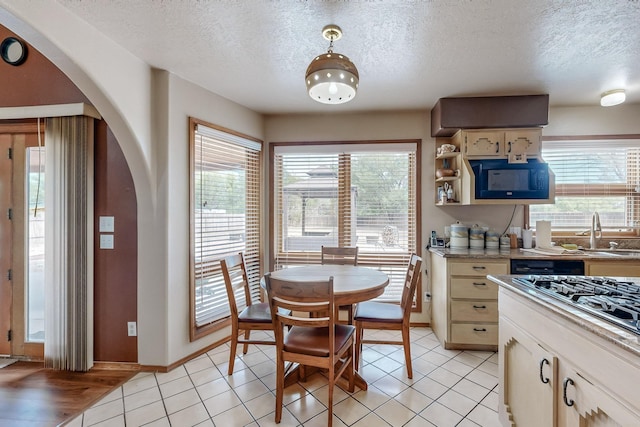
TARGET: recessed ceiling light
(612,97)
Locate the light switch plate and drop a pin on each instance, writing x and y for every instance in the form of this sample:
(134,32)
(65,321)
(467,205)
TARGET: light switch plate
(132,329)
(106,241)
(107,224)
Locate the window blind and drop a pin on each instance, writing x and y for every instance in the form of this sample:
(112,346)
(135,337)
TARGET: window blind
(591,176)
(361,195)
(226,216)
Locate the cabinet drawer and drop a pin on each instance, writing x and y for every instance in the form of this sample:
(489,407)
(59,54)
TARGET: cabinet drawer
(473,288)
(479,268)
(474,311)
(474,333)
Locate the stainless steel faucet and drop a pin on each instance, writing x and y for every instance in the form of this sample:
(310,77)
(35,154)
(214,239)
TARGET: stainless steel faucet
(595,227)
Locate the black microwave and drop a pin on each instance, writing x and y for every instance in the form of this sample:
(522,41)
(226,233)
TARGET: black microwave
(499,179)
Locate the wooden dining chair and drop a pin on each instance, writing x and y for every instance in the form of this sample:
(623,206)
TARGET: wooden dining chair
(340,256)
(378,315)
(255,316)
(314,337)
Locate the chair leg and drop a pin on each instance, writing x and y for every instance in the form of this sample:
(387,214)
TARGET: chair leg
(234,345)
(359,336)
(279,388)
(351,371)
(332,381)
(247,335)
(407,350)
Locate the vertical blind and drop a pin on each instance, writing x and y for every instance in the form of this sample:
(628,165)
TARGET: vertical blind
(226,216)
(69,243)
(347,195)
(591,176)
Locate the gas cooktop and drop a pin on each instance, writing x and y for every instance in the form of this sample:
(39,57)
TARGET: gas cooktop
(616,300)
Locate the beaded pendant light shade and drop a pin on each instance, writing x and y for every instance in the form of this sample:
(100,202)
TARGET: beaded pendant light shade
(331,77)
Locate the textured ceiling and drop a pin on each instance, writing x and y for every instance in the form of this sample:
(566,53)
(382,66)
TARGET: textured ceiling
(408,53)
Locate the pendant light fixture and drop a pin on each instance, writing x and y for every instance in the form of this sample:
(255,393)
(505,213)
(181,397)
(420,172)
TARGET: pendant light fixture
(331,77)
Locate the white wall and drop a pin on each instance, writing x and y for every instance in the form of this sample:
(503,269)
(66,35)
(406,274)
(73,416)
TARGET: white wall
(186,99)
(595,120)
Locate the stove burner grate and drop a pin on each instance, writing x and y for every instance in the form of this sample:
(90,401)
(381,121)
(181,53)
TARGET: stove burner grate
(614,300)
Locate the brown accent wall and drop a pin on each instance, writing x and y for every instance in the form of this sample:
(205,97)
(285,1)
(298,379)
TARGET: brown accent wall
(39,82)
(115,270)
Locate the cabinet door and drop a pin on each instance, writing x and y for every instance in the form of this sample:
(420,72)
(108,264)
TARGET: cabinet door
(584,404)
(528,374)
(484,143)
(608,268)
(526,141)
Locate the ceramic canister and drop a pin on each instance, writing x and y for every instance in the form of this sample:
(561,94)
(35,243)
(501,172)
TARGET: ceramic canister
(492,239)
(476,237)
(459,236)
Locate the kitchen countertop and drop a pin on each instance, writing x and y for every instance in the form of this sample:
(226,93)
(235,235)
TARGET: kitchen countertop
(612,333)
(522,254)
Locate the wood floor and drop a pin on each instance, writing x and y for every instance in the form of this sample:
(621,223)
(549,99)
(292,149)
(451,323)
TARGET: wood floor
(33,396)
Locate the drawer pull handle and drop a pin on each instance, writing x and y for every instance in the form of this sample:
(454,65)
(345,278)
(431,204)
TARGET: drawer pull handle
(478,267)
(479,284)
(479,329)
(480,307)
(543,362)
(567,381)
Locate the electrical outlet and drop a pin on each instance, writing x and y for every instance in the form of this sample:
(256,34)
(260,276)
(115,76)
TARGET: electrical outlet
(427,296)
(131,329)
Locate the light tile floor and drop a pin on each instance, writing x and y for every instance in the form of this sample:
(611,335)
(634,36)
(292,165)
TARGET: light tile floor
(449,388)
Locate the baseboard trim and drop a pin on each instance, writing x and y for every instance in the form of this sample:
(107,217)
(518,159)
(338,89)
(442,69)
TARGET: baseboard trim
(116,366)
(165,369)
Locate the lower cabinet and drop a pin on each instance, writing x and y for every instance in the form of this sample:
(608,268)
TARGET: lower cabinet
(465,302)
(613,268)
(553,373)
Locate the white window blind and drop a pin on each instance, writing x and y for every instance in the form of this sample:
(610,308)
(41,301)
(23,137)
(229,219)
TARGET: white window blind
(226,216)
(347,195)
(591,176)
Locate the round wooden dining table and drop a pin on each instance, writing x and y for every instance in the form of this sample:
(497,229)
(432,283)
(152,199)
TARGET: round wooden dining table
(351,285)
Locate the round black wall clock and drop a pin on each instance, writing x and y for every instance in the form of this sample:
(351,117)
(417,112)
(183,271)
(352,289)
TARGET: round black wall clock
(13,51)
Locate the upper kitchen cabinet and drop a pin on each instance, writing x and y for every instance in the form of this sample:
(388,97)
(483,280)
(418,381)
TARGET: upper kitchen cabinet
(496,143)
(492,166)
(449,115)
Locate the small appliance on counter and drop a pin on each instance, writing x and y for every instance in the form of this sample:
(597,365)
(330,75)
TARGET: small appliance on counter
(436,242)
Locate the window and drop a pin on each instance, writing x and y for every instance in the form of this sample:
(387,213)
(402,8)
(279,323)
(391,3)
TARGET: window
(225,207)
(351,194)
(34,181)
(593,175)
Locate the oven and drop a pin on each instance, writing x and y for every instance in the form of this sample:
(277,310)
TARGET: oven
(613,299)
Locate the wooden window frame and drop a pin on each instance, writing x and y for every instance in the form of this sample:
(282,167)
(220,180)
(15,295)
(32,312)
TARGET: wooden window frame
(254,262)
(399,261)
